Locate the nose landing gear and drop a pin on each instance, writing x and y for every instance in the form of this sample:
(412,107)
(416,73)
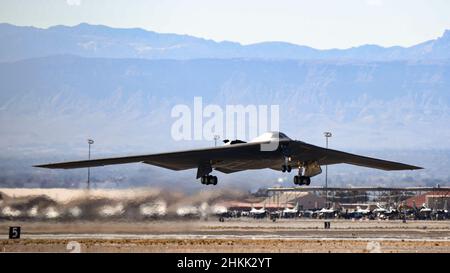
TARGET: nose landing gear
(286,167)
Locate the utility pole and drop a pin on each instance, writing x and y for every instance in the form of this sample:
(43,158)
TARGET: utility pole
(327,135)
(90,142)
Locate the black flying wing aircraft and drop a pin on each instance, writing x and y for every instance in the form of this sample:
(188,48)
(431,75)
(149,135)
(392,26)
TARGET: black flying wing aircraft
(272,150)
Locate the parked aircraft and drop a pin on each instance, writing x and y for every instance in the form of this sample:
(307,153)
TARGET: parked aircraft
(290,213)
(258,213)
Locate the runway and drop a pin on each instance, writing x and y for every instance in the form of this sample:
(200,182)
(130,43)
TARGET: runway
(243,235)
(215,237)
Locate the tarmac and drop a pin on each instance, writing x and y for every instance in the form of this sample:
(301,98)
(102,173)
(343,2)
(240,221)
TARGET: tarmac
(240,235)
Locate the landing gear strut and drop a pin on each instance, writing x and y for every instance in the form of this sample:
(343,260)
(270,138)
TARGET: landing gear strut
(209,180)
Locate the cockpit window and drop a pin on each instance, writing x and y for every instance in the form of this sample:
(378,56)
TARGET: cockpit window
(269,136)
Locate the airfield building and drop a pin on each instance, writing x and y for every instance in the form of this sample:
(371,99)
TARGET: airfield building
(279,201)
(433,199)
(305,200)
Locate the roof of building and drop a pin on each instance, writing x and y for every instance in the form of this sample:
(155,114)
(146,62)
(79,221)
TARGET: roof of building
(421,199)
(278,201)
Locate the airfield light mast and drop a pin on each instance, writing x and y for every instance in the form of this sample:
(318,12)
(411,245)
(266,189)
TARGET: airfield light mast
(327,135)
(216,137)
(90,142)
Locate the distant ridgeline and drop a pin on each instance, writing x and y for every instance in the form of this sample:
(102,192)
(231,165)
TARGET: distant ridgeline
(105,42)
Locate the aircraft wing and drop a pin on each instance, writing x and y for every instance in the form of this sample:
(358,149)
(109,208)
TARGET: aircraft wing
(181,160)
(323,156)
(238,157)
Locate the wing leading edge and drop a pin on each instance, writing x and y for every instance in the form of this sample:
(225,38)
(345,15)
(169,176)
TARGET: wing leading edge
(181,160)
(328,157)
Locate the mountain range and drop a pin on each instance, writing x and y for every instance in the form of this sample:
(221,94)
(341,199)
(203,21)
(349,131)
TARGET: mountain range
(106,42)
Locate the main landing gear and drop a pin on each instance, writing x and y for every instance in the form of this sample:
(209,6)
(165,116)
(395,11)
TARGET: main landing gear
(209,180)
(298,179)
(302,180)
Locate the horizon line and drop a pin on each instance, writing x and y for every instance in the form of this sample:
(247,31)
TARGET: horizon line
(223,41)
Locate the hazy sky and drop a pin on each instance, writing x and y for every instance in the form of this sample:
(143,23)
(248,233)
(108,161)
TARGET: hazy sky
(317,23)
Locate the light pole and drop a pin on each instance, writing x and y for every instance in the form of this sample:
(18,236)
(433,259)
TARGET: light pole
(216,137)
(90,142)
(327,135)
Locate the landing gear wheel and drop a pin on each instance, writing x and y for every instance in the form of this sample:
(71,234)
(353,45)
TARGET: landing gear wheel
(307,180)
(302,180)
(286,168)
(209,180)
